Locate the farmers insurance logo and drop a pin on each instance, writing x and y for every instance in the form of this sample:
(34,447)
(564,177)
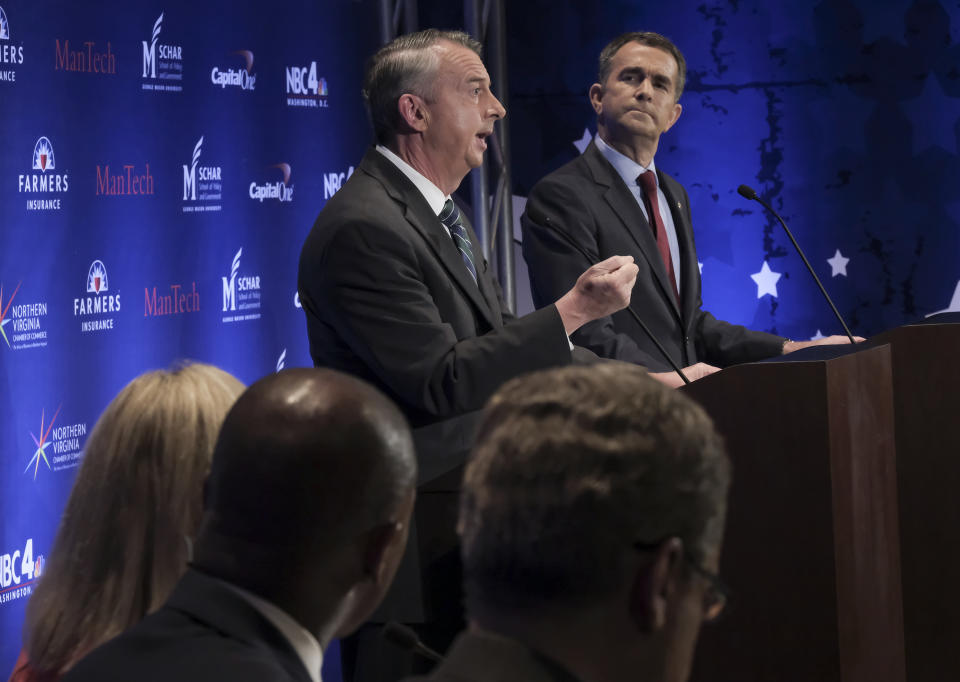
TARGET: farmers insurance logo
(56,447)
(304,89)
(241,294)
(96,311)
(18,572)
(202,185)
(45,185)
(243,78)
(9,53)
(21,324)
(281,191)
(161,63)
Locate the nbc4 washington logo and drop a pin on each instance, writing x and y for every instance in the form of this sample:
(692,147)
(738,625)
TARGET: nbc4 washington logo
(305,88)
(43,188)
(55,447)
(21,324)
(241,294)
(11,54)
(161,62)
(202,185)
(19,570)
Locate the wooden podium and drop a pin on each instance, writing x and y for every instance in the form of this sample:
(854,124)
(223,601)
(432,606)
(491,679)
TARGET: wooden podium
(926,384)
(812,550)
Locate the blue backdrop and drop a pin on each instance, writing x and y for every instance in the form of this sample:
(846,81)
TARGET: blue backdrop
(163,161)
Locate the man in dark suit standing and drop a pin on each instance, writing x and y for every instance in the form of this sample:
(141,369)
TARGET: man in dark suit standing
(604,200)
(395,289)
(591,521)
(306,512)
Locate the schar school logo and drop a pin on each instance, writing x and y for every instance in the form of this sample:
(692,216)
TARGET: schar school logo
(304,89)
(202,185)
(240,293)
(9,53)
(281,191)
(178,302)
(161,63)
(244,78)
(98,308)
(45,182)
(18,572)
(63,442)
(332,182)
(21,325)
(282,360)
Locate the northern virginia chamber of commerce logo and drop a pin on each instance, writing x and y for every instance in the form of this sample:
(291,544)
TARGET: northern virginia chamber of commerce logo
(55,447)
(305,89)
(19,570)
(281,190)
(86,57)
(10,53)
(241,294)
(202,185)
(127,180)
(332,182)
(21,324)
(240,77)
(174,299)
(97,308)
(45,185)
(162,63)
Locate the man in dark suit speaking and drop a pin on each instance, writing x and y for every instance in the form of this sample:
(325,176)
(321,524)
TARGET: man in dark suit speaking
(603,201)
(395,289)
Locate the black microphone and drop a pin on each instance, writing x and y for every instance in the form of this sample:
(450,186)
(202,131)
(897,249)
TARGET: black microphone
(749,193)
(545,220)
(407,639)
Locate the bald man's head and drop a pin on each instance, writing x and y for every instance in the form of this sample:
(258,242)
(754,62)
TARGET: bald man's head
(308,456)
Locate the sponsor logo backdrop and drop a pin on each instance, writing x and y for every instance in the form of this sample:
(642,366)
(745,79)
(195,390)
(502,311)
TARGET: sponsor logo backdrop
(150,153)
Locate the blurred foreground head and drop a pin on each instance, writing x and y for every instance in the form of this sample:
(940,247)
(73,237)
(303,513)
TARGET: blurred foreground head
(121,544)
(309,497)
(591,519)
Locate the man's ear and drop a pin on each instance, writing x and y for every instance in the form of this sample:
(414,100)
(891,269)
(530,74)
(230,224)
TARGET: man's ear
(376,551)
(596,96)
(675,114)
(413,111)
(654,584)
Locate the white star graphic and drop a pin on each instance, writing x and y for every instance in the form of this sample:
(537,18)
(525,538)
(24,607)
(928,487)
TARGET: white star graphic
(838,264)
(818,335)
(582,143)
(766,281)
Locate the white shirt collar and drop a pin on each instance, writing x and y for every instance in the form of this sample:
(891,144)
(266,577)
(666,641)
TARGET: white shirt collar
(302,641)
(626,168)
(433,194)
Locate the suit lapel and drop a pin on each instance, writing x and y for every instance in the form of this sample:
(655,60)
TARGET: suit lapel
(623,203)
(417,212)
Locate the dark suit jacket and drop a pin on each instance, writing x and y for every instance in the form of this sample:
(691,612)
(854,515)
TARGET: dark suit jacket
(204,632)
(479,656)
(588,200)
(388,299)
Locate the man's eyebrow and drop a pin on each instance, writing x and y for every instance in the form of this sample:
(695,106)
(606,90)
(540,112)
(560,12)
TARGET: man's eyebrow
(640,71)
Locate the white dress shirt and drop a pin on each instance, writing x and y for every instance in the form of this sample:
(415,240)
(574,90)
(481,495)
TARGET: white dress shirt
(630,170)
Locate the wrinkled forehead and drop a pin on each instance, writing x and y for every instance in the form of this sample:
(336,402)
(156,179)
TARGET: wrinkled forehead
(459,61)
(646,57)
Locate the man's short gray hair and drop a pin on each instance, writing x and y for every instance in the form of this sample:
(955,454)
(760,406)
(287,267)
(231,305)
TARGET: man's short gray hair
(573,466)
(404,65)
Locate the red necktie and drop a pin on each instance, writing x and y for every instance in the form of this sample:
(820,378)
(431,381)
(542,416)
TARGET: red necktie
(648,183)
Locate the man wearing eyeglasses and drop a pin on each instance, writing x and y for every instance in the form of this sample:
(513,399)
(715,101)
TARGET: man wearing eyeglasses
(591,519)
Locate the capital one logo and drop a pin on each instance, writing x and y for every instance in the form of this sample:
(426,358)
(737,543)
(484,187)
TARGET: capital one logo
(150,53)
(230,286)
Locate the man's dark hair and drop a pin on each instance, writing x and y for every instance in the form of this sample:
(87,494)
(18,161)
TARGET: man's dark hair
(649,39)
(404,65)
(573,466)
